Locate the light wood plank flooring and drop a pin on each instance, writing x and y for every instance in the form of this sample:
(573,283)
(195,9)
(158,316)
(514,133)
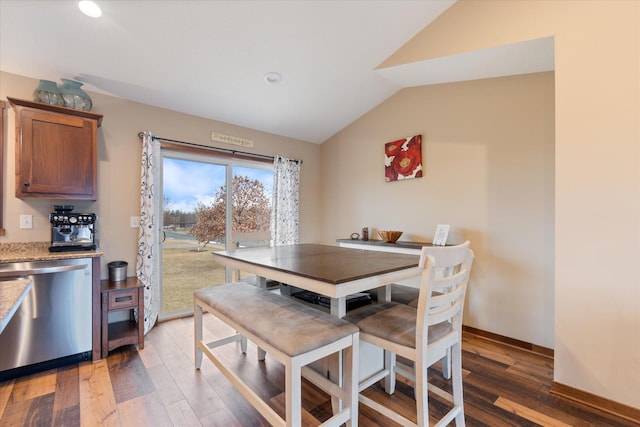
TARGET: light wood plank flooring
(158,386)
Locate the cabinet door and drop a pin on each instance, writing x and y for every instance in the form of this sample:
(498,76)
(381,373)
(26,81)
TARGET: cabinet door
(57,156)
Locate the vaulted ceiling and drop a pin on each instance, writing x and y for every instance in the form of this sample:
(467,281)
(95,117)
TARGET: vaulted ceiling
(210,58)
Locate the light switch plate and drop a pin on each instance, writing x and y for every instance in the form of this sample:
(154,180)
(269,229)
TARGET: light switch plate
(134,222)
(26,221)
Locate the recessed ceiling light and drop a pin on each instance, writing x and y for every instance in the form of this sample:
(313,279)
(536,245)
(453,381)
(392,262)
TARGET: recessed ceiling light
(272,77)
(89,8)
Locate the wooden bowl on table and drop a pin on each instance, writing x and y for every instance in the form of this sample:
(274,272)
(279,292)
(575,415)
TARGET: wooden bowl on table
(390,236)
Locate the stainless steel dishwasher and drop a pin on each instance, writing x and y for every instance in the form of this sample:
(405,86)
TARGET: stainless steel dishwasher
(52,326)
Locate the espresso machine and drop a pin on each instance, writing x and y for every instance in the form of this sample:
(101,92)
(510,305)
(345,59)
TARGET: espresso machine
(72,231)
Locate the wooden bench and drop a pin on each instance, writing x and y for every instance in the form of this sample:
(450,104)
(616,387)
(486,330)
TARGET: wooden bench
(292,333)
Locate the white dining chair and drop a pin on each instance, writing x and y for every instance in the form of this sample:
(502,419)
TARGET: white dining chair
(421,334)
(251,239)
(409,294)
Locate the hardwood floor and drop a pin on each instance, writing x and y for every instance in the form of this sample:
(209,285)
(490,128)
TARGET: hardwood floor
(158,386)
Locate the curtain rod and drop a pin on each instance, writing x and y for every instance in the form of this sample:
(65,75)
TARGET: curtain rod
(224,150)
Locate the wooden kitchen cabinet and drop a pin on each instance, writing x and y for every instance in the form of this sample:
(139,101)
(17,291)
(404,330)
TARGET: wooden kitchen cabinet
(118,296)
(56,151)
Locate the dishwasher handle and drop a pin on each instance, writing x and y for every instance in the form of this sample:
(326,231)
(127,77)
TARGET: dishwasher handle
(44,269)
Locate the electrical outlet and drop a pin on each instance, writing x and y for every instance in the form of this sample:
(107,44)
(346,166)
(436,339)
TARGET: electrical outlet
(134,222)
(26,221)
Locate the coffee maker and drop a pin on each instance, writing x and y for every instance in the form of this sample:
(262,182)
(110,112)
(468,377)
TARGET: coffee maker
(72,231)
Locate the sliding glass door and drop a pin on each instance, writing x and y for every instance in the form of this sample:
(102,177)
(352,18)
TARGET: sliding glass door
(196,219)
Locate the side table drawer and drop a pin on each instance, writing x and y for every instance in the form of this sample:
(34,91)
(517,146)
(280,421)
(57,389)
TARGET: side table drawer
(123,299)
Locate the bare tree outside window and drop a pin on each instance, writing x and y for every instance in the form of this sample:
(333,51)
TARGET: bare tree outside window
(251,211)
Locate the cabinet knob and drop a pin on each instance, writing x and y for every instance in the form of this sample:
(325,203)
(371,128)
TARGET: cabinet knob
(26,183)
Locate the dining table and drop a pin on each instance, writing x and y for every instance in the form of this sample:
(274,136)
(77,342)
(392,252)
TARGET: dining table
(333,271)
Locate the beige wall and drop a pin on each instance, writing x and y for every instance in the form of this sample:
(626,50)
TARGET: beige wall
(488,153)
(119,170)
(597,182)
(597,171)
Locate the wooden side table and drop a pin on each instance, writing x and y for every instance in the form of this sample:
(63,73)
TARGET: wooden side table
(117,296)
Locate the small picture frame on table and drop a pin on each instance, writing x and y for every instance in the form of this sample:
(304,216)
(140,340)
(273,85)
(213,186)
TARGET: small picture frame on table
(442,232)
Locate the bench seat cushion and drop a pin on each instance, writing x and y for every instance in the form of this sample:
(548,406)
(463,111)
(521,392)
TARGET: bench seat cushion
(287,325)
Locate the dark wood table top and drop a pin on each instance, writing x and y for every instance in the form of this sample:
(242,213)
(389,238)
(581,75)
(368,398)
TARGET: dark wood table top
(331,264)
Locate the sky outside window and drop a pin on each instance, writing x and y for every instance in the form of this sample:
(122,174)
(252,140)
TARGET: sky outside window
(187,183)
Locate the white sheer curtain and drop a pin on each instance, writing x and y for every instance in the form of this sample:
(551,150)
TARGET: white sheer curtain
(284,212)
(148,262)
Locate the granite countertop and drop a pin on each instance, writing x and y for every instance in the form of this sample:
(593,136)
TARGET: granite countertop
(12,292)
(39,251)
(398,244)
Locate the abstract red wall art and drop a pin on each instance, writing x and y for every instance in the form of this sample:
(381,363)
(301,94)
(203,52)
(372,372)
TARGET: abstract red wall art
(403,159)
